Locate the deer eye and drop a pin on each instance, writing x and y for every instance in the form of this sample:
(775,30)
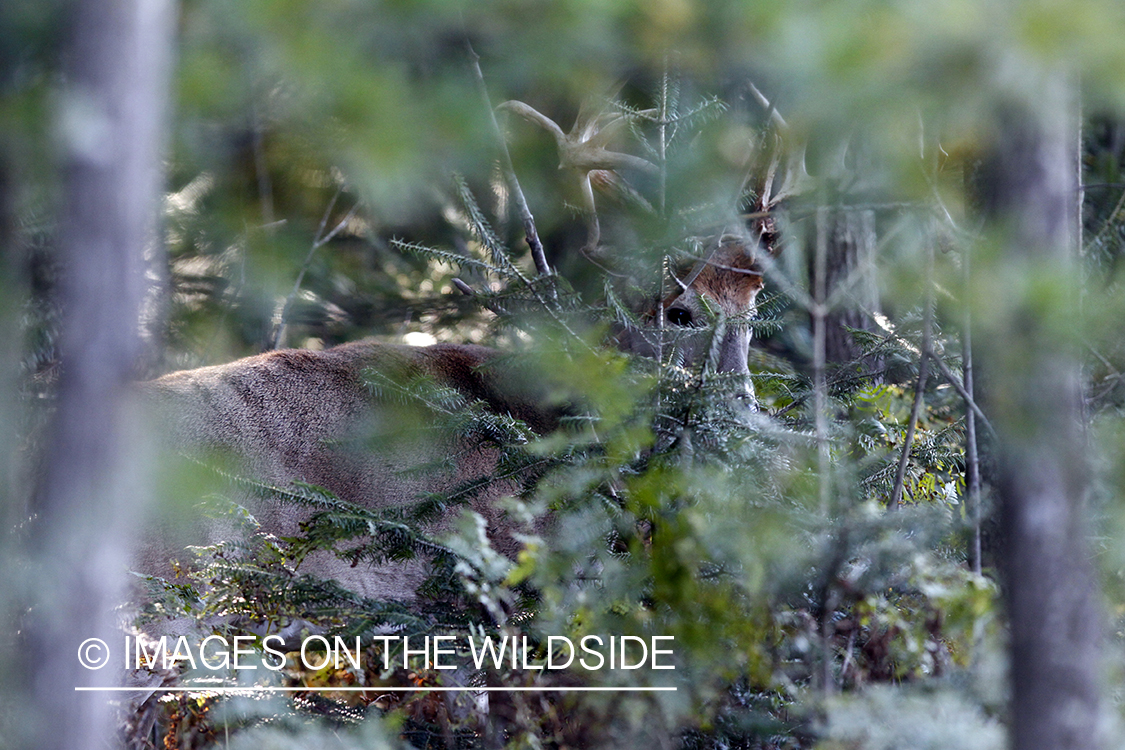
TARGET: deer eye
(678,316)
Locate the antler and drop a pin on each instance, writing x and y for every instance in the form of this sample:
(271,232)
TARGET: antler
(584,147)
(584,150)
(796,177)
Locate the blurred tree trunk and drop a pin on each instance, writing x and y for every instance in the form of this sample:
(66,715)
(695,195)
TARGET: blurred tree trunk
(851,261)
(1029,191)
(849,271)
(112,125)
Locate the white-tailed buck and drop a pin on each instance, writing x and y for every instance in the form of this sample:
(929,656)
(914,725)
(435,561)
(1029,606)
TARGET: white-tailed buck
(312,416)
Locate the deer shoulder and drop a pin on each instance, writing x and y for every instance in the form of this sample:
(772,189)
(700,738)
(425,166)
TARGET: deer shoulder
(333,418)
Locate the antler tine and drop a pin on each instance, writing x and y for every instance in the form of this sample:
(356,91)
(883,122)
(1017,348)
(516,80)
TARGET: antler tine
(600,158)
(796,176)
(795,173)
(591,113)
(775,116)
(534,116)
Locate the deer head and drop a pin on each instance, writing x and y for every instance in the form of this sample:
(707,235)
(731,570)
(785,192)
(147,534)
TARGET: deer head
(722,282)
(704,319)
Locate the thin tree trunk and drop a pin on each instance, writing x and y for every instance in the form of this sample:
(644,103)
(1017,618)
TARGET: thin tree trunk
(113,123)
(824,464)
(920,384)
(972,451)
(1034,385)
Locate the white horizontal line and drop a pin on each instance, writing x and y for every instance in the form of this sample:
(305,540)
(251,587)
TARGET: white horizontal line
(352,689)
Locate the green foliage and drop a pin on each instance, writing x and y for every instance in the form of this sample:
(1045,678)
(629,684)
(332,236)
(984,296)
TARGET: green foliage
(673,513)
(316,141)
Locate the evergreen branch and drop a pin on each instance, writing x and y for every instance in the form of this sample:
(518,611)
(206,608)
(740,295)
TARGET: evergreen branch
(537,254)
(319,241)
(482,230)
(446,256)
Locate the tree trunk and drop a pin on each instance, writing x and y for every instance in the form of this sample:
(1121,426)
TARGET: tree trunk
(112,123)
(851,261)
(1029,188)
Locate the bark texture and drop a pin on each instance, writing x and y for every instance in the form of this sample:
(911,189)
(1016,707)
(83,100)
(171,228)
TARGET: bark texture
(851,262)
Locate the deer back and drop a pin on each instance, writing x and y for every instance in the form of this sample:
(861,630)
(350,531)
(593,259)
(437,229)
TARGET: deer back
(315,417)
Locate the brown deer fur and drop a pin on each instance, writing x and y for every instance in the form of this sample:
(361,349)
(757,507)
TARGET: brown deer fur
(297,415)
